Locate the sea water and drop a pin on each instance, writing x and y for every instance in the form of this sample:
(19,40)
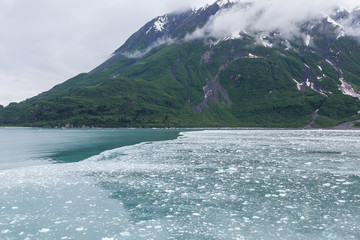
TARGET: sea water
(209,184)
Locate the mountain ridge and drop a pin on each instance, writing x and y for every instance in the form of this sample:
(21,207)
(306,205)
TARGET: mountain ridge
(173,73)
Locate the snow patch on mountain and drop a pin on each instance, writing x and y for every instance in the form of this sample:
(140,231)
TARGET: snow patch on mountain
(298,85)
(347,89)
(159,24)
(307,40)
(222,3)
(334,23)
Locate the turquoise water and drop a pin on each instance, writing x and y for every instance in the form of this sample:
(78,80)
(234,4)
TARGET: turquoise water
(21,147)
(211,184)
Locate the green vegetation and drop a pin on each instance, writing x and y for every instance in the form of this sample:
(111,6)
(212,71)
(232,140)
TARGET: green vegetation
(165,88)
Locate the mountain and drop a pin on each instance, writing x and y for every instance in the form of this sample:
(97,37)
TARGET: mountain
(206,68)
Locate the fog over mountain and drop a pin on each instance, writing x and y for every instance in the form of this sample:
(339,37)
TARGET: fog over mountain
(265,16)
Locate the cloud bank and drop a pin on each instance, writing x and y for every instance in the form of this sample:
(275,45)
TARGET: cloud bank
(266,16)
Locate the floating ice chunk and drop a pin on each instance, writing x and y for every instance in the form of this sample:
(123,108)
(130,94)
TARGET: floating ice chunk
(107,238)
(44,230)
(79,229)
(5,231)
(340,180)
(125,234)
(329,235)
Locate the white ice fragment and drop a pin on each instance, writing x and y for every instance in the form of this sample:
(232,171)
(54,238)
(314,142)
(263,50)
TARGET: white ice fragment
(79,229)
(5,231)
(15,208)
(44,230)
(125,234)
(196,214)
(341,180)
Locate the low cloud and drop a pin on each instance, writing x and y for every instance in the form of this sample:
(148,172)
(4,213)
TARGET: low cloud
(262,17)
(139,54)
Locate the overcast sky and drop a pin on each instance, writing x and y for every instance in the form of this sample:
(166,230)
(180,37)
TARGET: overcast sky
(45,42)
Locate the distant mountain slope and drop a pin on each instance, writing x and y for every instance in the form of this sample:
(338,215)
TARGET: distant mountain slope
(166,75)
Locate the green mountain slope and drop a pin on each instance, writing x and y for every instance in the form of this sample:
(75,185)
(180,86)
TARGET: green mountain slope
(233,83)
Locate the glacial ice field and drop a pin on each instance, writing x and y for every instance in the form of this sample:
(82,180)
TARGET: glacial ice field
(210,184)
